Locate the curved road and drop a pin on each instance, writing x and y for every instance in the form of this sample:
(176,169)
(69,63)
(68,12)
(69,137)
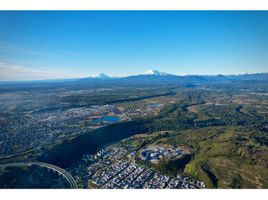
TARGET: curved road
(59,170)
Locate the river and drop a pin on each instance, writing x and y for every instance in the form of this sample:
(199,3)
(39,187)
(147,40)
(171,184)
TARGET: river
(70,151)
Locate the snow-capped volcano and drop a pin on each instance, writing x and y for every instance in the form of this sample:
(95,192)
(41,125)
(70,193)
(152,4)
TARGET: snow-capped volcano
(154,72)
(101,76)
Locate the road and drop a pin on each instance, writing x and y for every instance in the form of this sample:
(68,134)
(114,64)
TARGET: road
(59,170)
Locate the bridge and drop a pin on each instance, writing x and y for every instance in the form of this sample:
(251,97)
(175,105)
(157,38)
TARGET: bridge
(59,170)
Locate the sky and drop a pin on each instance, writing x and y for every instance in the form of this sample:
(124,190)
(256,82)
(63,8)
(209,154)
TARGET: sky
(36,45)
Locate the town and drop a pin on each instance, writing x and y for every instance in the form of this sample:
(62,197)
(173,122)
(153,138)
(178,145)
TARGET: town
(37,129)
(113,168)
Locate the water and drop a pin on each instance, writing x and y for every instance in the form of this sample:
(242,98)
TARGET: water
(31,177)
(108,119)
(154,105)
(69,152)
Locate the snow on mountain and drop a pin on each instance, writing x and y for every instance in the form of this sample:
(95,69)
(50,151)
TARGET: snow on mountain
(154,72)
(101,76)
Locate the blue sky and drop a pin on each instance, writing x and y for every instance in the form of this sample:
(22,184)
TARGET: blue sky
(62,44)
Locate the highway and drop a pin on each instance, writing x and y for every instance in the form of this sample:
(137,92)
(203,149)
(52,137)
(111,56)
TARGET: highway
(59,170)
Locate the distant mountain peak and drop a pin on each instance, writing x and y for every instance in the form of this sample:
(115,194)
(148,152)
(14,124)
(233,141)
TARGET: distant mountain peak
(220,75)
(101,76)
(154,72)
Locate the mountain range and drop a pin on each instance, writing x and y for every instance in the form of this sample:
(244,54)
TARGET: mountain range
(153,77)
(156,77)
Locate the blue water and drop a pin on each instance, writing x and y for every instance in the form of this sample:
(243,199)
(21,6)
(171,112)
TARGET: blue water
(109,119)
(154,105)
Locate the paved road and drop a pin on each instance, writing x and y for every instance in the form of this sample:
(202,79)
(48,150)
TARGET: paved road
(59,170)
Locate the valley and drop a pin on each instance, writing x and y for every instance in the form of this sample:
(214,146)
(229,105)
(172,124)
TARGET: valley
(181,136)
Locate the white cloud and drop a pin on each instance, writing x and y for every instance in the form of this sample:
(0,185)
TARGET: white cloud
(14,72)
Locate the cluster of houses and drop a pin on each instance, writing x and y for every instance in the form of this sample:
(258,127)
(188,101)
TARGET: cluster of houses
(110,168)
(154,153)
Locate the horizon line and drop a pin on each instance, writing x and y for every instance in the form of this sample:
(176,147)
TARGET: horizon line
(142,74)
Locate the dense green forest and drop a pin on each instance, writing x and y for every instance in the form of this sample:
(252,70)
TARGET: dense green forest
(227,136)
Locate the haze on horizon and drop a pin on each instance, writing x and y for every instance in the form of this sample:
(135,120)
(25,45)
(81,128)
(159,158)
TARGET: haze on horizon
(69,44)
